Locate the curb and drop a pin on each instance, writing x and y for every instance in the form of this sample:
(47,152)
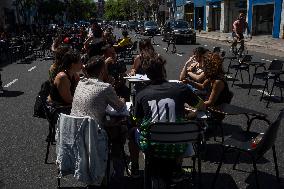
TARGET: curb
(249,44)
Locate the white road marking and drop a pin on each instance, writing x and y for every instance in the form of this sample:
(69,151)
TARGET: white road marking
(205,45)
(265,92)
(263,59)
(268,60)
(165,48)
(158,45)
(11,83)
(179,54)
(32,68)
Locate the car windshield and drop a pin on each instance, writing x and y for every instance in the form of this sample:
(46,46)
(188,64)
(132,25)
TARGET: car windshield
(132,23)
(150,23)
(180,24)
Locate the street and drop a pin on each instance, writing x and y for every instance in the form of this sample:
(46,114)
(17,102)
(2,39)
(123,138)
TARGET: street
(22,137)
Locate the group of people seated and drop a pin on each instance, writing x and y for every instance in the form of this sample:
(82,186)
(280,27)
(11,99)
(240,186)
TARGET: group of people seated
(156,100)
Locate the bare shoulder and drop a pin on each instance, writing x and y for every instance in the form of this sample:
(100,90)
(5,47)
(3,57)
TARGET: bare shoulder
(61,76)
(219,84)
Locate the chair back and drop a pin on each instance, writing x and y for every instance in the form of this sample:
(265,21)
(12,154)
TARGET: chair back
(276,65)
(43,108)
(246,59)
(175,133)
(269,137)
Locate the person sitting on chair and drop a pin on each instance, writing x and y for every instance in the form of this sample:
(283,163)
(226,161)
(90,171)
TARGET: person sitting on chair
(124,42)
(160,101)
(215,80)
(92,96)
(63,85)
(193,68)
(146,51)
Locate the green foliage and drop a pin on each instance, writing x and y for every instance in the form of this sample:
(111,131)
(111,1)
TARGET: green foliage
(122,9)
(81,9)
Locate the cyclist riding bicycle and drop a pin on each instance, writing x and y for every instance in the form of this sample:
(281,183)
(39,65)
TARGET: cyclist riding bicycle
(239,27)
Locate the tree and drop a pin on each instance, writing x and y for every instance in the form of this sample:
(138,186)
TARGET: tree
(81,9)
(120,9)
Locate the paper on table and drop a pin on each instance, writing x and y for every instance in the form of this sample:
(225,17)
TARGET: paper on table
(138,76)
(174,81)
(112,112)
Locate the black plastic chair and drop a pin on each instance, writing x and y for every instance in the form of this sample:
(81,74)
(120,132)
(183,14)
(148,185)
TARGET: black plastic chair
(51,126)
(272,72)
(243,142)
(174,133)
(244,65)
(277,83)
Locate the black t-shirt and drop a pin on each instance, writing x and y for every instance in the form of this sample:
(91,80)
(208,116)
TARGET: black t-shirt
(164,102)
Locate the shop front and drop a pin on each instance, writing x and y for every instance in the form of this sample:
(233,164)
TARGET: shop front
(264,17)
(216,15)
(199,12)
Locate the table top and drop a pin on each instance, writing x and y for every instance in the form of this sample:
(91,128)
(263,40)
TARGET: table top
(229,109)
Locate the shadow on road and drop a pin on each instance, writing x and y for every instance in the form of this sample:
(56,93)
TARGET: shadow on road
(247,86)
(11,93)
(265,180)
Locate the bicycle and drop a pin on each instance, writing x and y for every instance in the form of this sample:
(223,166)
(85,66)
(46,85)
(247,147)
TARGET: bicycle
(171,40)
(239,50)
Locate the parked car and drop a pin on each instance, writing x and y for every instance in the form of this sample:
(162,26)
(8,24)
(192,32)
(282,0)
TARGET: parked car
(132,25)
(151,28)
(180,30)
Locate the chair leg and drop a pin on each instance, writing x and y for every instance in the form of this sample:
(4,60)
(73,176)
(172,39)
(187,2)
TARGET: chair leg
(229,66)
(281,92)
(248,74)
(242,79)
(275,163)
(251,85)
(49,141)
(194,169)
(199,167)
(235,77)
(255,172)
(269,98)
(236,160)
(58,178)
(47,151)
(265,86)
(147,175)
(218,170)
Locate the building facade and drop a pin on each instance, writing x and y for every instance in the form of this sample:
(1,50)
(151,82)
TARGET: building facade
(264,17)
(7,14)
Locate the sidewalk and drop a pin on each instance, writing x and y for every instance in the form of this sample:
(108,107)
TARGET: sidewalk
(264,41)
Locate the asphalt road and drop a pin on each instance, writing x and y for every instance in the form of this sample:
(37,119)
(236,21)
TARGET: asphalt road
(22,137)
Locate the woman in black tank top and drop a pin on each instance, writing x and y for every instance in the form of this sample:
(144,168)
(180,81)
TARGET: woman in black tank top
(146,51)
(65,82)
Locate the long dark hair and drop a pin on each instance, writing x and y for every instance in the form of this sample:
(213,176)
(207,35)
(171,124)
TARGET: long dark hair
(68,58)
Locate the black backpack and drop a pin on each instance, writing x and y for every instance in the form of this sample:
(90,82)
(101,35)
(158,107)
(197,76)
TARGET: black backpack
(39,109)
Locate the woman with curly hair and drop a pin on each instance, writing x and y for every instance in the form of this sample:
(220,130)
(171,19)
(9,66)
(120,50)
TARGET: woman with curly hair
(215,80)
